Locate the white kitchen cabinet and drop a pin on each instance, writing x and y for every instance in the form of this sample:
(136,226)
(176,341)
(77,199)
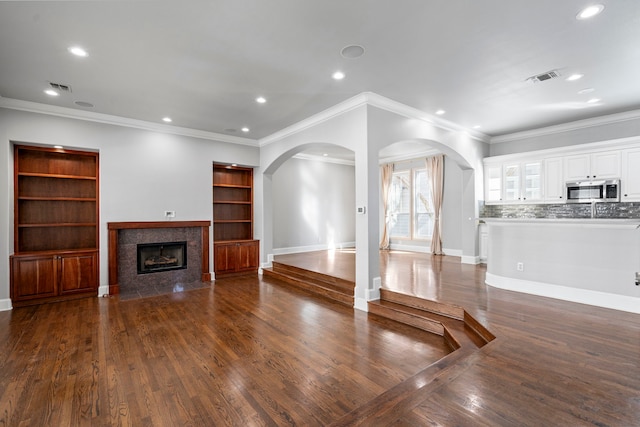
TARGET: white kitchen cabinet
(600,165)
(493,184)
(522,182)
(554,185)
(630,176)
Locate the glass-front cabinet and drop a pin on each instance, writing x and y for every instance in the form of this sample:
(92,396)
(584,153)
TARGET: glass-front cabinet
(517,182)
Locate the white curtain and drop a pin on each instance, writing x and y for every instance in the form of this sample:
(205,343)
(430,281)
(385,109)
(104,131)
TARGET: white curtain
(435,170)
(387,175)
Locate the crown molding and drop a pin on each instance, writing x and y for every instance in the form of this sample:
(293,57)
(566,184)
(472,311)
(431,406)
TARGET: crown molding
(90,116)
(396,107)
(374,100)
(568,127)
(331,112)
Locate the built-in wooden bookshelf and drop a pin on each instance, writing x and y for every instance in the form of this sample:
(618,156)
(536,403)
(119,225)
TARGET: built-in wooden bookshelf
(55,224)
(235,250)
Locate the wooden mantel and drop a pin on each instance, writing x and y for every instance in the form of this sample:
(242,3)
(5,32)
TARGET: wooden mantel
(114,227)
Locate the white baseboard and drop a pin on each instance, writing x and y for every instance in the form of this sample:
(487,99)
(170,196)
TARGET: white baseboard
(312,248)
(582,296)
(5,304)
(361,304)
(466,259)
(103,290)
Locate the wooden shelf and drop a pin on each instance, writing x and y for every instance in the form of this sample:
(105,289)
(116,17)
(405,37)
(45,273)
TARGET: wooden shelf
(56,224)
(57,176)
(235,251)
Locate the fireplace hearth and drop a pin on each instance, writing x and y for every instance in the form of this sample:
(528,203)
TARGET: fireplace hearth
(156,257)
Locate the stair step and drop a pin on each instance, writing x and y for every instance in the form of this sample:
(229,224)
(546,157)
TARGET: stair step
(314,276)
(340,295)
(448,310)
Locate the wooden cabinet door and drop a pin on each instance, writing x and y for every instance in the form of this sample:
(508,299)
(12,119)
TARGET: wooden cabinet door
(224,257)
(78,273)
(33,277)
(247,256)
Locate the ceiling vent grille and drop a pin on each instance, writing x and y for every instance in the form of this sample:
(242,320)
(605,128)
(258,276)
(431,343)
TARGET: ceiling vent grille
(544,76)
(60,87)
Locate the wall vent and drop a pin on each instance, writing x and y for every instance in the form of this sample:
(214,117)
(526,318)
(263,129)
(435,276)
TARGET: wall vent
(60,87)
(544,76)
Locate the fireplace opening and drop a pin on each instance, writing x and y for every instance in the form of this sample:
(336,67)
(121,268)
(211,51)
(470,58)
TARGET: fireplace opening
(156,257)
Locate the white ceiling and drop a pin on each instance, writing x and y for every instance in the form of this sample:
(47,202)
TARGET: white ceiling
(203,63)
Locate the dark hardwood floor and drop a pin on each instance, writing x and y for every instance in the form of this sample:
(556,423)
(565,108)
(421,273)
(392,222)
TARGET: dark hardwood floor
(251,351)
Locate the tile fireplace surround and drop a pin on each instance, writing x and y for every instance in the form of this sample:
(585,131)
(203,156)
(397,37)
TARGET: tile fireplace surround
(125,236)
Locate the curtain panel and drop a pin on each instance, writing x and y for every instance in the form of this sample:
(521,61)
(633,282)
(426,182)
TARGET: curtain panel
(435,169)
(387,175)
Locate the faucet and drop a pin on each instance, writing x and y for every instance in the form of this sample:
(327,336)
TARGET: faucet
(594,209)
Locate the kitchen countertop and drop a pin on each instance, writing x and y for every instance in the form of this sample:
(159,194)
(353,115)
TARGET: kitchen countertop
(590,222)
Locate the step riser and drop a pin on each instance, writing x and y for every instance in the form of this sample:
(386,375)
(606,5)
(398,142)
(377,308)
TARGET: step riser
(419,303)
(312,280)
(311,287)
(314,276)
(408,319)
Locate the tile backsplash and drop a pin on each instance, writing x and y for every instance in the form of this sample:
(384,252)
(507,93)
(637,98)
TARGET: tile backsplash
(564,210)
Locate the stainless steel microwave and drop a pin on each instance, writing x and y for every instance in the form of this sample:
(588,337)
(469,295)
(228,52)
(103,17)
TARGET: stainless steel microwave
(593,191)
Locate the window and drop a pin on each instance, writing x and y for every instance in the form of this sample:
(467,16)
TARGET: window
(410,206)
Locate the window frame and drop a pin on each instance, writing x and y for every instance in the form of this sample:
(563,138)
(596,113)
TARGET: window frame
(413,212)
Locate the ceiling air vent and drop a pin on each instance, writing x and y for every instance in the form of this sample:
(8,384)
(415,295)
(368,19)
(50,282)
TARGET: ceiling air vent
(544,76)
(60,87)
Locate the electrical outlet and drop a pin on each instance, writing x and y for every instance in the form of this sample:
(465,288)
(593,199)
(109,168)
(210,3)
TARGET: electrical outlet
(170,214)
(520,266)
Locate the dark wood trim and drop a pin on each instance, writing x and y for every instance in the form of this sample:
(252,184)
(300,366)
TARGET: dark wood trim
(156,224)
(114,286)
(206,273)
(113,227)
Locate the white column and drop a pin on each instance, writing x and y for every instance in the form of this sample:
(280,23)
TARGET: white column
(367,227)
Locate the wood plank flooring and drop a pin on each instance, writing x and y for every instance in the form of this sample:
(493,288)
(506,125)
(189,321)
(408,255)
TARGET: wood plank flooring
(243,352)
(251,351)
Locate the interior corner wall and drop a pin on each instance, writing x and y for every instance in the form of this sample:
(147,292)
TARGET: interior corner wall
(6,216)
(313,204)
(142,173)
(451,215)
(545,140)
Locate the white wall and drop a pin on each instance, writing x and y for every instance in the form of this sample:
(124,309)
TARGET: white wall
(313,204)
(142,173)
(605,128)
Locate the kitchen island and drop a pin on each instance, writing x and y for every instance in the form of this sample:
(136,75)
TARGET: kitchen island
(589,261)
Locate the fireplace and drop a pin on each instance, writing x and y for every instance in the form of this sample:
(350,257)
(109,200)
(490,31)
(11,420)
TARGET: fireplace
(124,238)
(156,257)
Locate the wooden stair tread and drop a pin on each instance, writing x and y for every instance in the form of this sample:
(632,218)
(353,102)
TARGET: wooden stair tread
(322,289)
(463,335)
(314,276)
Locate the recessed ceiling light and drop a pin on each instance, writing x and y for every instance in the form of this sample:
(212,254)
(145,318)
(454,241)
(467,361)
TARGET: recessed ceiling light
(58,147)
(477,127)
(338,75)
(245,129)
(574,77)
(352,51)
(167,119)
(590,11)
(78,51)
(440,112)
(593,100)
(234,164)
(261,100)
(325,154)
(586,90)
(51,92)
